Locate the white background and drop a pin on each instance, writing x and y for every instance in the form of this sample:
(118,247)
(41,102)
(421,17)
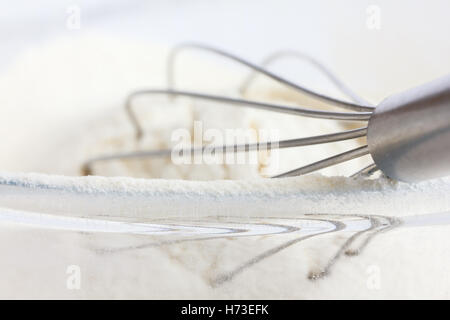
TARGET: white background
(410,47)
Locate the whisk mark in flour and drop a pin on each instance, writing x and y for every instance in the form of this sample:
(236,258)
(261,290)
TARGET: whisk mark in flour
(230,275)
(374,225)
(310,226)
(377,226)
(213,228)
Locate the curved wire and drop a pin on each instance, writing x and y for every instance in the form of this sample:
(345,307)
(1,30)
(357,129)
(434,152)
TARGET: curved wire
(366,172)
(333,101)
(351,116)
(339,84)
(328,162)
(282,144)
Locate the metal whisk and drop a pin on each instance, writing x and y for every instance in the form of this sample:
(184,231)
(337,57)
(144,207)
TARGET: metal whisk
(408,134)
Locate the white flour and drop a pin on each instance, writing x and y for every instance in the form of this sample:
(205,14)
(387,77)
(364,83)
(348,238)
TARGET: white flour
(52,124)
(76,112)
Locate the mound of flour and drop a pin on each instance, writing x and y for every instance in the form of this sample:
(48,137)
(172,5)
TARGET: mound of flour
(77,112)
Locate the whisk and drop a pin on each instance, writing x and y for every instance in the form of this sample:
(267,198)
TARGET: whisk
(408,134)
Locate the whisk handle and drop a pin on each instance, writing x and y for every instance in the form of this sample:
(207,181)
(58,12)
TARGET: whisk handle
(409,133)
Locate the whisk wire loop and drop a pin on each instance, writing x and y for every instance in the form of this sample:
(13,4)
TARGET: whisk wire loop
(363,112)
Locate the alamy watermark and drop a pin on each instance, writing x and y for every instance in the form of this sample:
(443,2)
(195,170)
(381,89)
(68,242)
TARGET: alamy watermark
(373,281)
(73,19)
(73,281)
(373,20)
(227,146)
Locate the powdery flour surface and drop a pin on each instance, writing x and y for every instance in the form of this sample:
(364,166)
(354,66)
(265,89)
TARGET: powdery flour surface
(228,233)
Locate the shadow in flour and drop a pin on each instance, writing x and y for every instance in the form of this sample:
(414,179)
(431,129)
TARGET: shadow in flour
(363,228)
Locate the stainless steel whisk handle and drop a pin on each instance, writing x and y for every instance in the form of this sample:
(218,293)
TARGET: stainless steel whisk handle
(409,133)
